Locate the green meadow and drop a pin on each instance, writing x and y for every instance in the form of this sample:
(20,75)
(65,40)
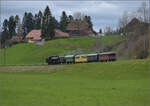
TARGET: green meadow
(27,53)
(120,83)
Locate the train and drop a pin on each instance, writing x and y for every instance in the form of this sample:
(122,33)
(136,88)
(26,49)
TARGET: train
(82,58)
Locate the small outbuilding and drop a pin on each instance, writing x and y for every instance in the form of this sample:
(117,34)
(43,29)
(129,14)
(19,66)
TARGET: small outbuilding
(16,39)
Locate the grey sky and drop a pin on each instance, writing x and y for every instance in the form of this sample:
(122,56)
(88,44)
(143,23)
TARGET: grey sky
(103,13)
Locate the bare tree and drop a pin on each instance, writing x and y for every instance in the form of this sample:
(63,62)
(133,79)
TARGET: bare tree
(19,29)
(124,20)
(108,31)
(78,16)
(143,12)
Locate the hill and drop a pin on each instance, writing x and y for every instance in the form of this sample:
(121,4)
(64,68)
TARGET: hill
(120,83)
(33,54)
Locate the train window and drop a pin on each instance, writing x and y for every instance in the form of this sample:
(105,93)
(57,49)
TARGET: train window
(77,57)
(83,56)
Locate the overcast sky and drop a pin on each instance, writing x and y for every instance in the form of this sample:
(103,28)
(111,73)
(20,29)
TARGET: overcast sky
(103,13)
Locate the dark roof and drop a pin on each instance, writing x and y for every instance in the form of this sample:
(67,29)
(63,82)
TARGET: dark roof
(77,25)
(134,21)
(107,53)
(136,26)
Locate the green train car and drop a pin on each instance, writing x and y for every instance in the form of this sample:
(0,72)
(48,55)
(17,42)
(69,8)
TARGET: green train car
(62,59)
(92,57)
(69,59)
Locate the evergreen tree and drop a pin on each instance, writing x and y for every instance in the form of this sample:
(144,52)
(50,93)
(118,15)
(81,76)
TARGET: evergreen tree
(64,21)
(27,23)
(52,27)
(88,19)
(12,26)
(70,18)
(48,25)
(5,32)
(37,20)
(100,31)
(24,25)
(40,15)
(57,25)
(30,22)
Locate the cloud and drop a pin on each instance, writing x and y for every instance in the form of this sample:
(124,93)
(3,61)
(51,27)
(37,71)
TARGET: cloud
(103,13)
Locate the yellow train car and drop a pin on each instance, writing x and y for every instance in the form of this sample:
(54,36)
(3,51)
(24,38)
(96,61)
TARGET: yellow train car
(81,58)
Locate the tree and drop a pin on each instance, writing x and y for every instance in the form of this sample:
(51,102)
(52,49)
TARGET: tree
(143,12)
(5,32)
(12,26)
(108,31)
(48,25)
(18,25)
(88,20)
(63,21)
(57,25)
(38,20)
(100,31)
(24,25)
(70,18)
(78,16)
(19,29)
(17,19)
(52,27)
(30,22)
(124,20)
(27,23)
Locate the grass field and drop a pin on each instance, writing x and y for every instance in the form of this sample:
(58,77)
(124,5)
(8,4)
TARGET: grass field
(120,83)
(32,54)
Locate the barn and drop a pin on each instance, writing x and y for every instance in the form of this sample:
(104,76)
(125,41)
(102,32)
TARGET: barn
(136,27)
(78,28)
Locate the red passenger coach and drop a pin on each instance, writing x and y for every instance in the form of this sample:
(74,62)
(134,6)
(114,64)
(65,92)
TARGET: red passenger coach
(107,56)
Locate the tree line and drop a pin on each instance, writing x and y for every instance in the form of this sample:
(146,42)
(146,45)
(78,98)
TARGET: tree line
(44,21)
(137,39)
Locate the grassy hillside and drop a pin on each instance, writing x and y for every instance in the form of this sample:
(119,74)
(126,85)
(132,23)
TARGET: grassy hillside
(121,83)
(32,53)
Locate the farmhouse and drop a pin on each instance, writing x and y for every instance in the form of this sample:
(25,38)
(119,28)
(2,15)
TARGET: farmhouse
(136,27)
(35,35)
(79,28)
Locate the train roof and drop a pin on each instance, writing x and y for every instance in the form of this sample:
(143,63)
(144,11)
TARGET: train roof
(69,56)
(55,57)
(108,53)
(91,54)
(61,56)
(81,55)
